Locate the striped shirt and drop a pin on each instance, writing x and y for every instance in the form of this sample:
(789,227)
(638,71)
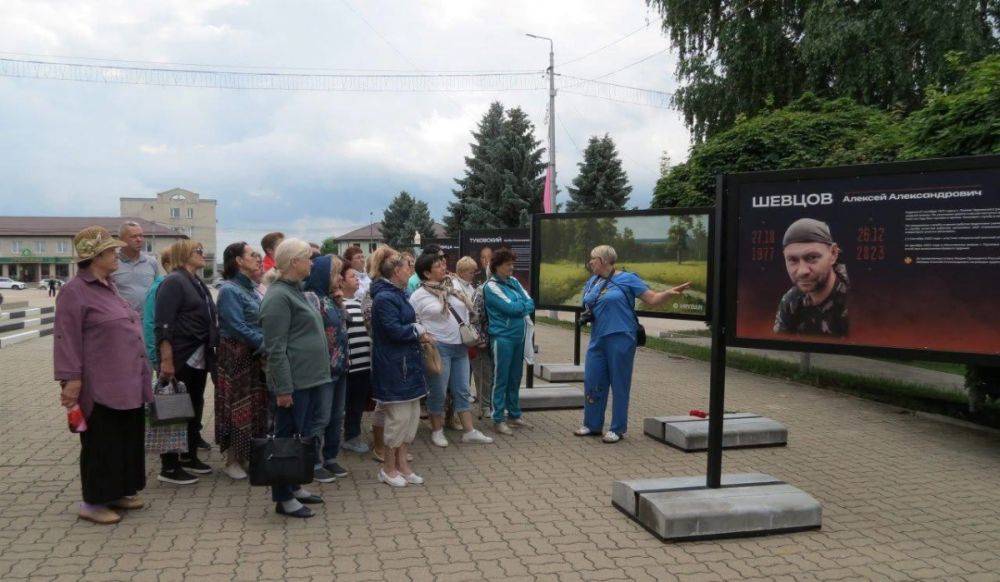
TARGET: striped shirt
(357,337)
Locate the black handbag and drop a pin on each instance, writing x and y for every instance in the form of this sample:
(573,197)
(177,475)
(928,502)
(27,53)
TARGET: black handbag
(282,460)
(171,406)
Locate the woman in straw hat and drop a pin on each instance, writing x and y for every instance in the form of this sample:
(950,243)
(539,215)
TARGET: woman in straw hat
(102,367)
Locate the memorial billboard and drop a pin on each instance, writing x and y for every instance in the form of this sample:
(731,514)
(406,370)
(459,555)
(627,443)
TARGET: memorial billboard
(902,256)
(474,243)
(664,247)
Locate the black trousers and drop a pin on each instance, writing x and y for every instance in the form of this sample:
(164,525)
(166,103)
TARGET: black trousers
(194,380)
(358,390)
(112,454)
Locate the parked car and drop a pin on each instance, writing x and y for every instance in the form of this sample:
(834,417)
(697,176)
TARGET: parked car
(8,283)
(44,283)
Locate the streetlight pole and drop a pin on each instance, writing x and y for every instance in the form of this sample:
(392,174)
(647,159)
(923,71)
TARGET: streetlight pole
(552,108)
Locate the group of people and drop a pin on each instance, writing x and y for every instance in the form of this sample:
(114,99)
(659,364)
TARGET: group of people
(296,343)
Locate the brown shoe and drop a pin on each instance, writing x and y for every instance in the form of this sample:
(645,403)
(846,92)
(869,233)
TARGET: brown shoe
(128,503)
(100,515)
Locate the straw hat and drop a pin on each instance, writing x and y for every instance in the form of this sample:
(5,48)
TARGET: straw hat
(93,241)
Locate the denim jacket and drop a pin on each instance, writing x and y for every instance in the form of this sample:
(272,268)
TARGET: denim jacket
(239,312)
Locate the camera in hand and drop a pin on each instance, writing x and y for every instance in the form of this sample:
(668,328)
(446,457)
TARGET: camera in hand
(587,317)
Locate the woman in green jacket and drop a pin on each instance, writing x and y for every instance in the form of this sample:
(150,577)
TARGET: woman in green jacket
(297,359)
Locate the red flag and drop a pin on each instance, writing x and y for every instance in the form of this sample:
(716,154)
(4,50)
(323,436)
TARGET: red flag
(548,195)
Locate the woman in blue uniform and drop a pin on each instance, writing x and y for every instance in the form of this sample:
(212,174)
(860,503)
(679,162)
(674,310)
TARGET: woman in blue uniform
(610,296)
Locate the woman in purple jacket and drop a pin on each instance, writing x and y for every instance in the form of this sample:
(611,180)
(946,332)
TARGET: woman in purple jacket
(101,364)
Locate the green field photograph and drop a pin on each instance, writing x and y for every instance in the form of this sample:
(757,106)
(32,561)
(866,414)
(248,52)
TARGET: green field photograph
(664,250)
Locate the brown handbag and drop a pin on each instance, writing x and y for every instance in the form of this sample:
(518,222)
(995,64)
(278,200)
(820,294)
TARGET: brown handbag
(432,359)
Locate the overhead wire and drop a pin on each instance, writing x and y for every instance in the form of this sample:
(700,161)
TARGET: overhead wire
(601,48)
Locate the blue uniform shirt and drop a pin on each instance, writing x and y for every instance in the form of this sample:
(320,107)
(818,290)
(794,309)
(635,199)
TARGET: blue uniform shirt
(613,303)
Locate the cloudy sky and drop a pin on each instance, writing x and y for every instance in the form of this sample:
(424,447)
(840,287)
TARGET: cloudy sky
(310,163)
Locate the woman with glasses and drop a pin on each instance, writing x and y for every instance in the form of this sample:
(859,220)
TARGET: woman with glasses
(187,335)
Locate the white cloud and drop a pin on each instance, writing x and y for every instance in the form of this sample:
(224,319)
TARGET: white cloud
(280,158)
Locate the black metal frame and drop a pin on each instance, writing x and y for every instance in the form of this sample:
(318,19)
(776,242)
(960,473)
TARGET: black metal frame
(728,191)
(536,252)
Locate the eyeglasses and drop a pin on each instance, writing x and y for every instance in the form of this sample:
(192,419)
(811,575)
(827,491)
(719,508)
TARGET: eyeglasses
(199,251)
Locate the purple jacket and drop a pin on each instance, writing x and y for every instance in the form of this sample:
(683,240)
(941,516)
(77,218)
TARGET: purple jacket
(98,339)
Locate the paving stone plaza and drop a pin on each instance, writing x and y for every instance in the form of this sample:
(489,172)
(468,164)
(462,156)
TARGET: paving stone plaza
(903,498)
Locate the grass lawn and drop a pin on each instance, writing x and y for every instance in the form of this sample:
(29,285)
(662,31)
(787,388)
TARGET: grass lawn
(562,283)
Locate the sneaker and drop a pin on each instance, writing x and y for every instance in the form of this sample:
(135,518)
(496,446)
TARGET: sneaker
(502,428)
(322,475)
(195,465)
(201,444)
(235,471)
(611,437)
(474,436)
(177,477)
(356,445)
(335,468)
(456,423)
(437,437)
(518,422)
(414,479)
(397,481)
(584,431)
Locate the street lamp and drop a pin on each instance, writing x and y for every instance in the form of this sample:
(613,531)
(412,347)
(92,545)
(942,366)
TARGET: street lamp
(552,111)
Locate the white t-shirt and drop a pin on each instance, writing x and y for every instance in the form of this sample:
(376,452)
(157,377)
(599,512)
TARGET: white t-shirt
(442,326)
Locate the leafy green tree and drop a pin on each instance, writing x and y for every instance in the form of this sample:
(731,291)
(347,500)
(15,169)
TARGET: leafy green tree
(504,177)
(810,132)
(405,216)
(962,119)
(740,57)
(679,235)
(602,183)
(329,246)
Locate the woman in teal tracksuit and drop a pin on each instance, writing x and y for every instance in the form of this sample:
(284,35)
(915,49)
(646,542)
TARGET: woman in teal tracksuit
(506,305)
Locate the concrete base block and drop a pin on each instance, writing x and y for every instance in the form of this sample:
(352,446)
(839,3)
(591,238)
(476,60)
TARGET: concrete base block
(747,504)
(551,397)
(739,430)
(559,372)
(12,305)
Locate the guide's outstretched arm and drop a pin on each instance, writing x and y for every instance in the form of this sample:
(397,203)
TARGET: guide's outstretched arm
(654,298)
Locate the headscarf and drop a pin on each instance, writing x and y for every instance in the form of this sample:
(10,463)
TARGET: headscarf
(443,289)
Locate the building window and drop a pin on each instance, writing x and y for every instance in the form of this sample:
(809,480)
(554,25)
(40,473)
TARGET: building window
(175,213)
(63,246)
(190,212)
(15,246)
(39,246)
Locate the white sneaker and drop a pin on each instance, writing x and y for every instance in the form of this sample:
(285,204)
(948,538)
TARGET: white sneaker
(518,422)
(397,481)
(502,428)
(235,471)
(474,436)
(437,437)
(611,437)
(414,479)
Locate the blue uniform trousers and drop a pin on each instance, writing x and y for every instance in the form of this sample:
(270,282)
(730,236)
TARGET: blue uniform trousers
(508,367)
(609,364)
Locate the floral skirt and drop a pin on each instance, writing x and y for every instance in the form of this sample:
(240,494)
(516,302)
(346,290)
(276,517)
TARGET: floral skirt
(241,408)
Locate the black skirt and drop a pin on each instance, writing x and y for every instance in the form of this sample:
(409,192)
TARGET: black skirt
(112,455)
